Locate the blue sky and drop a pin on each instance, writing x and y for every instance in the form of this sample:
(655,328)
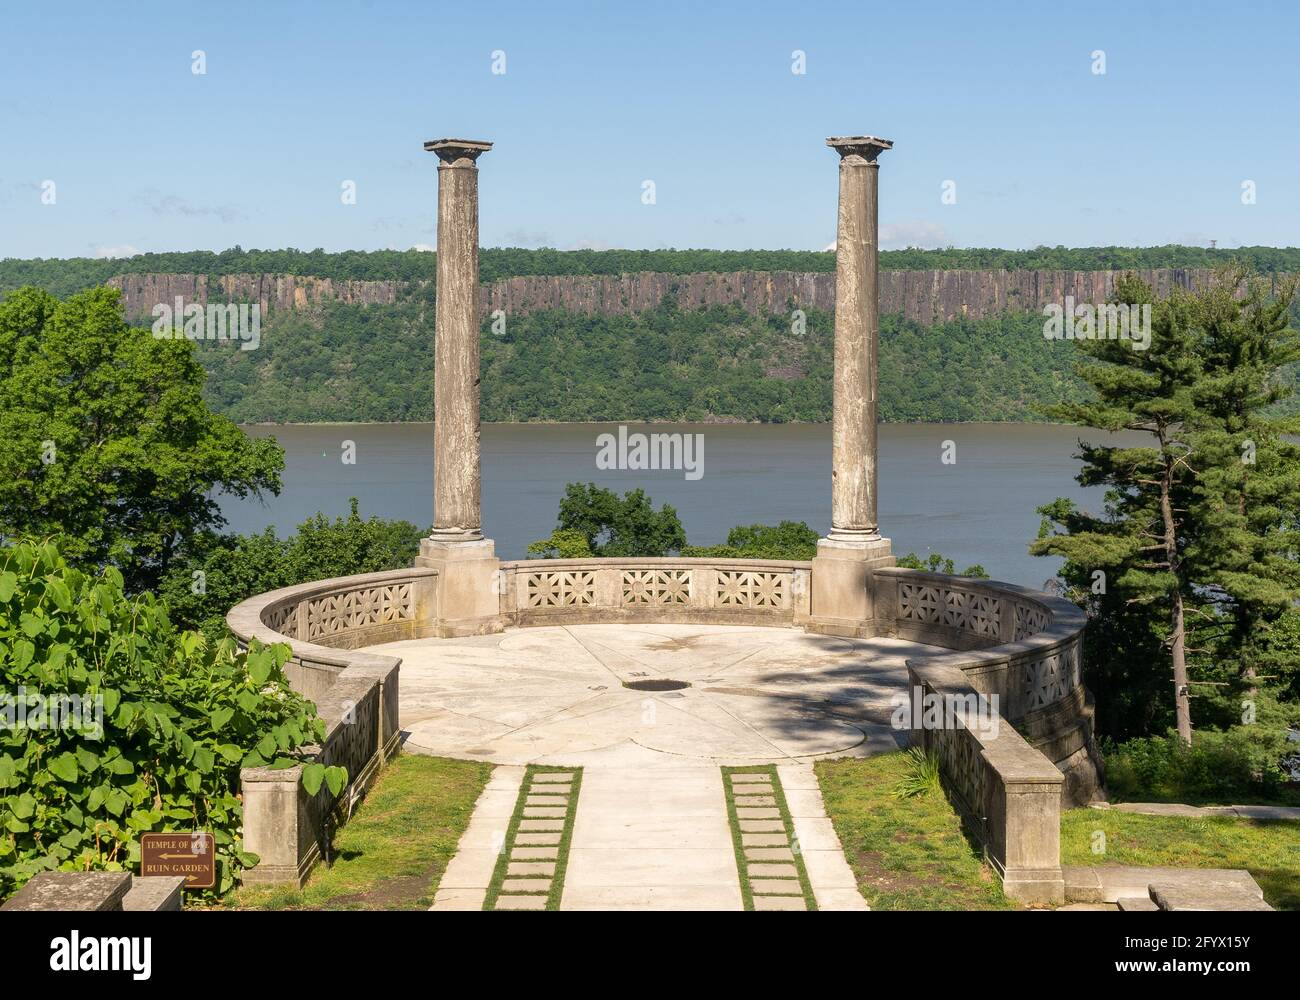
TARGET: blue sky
(597,98)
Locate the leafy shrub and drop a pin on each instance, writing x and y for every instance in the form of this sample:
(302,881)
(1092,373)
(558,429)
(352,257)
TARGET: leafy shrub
(564,543)
(935,563)
(235,567)
(167,722)
(1240,764)
(787,540)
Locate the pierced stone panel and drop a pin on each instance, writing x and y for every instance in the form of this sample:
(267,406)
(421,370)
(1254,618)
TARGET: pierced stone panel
(354,609)
(931,604)
(959,754)
(752,590)
(561,589)
(657,586)
(919,602)
(1030,620)
(1050,678)
(984,615)
(283,620)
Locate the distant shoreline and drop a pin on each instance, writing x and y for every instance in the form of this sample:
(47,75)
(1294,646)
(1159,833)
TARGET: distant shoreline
(652,423)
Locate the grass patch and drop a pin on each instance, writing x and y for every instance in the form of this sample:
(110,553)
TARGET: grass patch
(1268,849)
(908,853)
(392,853)
(742,866)
(527,788)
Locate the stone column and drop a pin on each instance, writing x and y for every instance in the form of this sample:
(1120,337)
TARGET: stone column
(842,587)
(456,479)
(468,598)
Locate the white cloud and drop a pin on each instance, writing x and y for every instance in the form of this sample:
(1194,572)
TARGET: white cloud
(423,248)
(916,233)
(112,252)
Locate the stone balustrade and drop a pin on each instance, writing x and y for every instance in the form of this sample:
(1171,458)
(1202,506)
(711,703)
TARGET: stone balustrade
(355,692)
(708,591)
(1022,646)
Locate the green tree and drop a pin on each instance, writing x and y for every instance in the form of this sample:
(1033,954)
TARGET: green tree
(151,727)
(1139,542)
(105,438)
(615,526)
(216,572)
(564,543)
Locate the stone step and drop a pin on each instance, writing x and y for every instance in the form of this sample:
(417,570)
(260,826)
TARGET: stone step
(1108,883)
(1131,903)
(1209,896)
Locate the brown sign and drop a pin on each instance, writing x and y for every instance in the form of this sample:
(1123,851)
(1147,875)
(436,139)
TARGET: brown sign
(192,855)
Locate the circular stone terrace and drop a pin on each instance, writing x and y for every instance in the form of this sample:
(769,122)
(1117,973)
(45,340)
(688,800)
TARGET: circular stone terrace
(561,695)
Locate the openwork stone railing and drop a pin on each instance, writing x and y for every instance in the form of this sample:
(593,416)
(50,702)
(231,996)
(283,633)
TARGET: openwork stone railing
(1020,645)
(1024,648)
(737,591)
(355,692)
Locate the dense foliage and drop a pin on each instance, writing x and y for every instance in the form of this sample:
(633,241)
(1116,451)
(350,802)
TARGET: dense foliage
(1219,767)
(375,363)
(64,276)
(165,724)
(611,526)
(1191,571)
(936,563)
(214,572)
(105,437)
(787,540)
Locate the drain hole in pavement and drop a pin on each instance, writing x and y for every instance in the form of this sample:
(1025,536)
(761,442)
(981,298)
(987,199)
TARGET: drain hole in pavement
(656,684)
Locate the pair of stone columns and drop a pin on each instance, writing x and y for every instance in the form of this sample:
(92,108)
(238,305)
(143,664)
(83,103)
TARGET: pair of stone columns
(842,601)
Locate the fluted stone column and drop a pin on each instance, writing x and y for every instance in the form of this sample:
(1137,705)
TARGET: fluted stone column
(468,591)
(842,591)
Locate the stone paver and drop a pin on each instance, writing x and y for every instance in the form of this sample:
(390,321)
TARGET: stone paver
(650,827)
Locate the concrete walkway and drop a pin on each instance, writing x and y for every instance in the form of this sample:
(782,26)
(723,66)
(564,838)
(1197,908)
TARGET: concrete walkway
(651,828)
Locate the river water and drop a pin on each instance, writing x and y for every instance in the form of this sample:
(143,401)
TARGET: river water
(976,509)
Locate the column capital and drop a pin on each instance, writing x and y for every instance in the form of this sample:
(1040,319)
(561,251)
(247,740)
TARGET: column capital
(866,146)
(451,150)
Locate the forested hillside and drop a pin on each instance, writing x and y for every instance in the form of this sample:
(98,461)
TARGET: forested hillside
(63,276)
(376,363)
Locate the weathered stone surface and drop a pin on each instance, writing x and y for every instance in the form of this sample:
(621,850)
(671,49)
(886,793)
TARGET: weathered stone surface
(1109,883)
(779,903)
(1126,903)
(1205,896)
(526,885)
(523,868)
(157,892)
(521,902)
(79,891)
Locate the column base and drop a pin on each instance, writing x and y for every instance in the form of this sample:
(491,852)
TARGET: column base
(469,585)
(843,587)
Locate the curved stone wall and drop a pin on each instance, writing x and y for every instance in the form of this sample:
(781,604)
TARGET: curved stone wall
(708,591)
(1021,645)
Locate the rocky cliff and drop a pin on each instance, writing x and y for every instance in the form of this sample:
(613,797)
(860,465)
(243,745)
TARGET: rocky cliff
(927,297)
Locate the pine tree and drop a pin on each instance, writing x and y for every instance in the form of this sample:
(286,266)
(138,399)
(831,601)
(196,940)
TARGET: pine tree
(1138,542)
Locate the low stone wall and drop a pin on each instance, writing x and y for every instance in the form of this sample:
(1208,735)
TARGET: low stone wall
(1022,646)
(703,591)
(355,692)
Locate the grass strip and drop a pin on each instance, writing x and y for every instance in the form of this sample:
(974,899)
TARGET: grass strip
(527,788)
(787,822)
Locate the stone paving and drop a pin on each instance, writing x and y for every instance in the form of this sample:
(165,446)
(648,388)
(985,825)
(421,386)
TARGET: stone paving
(651,830)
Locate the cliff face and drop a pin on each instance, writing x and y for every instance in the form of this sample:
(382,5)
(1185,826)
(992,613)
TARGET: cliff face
(927,297)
